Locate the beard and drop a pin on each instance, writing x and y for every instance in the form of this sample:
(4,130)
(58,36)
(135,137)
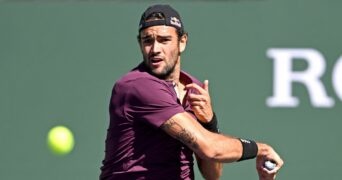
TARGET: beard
(167,70)
(165,73)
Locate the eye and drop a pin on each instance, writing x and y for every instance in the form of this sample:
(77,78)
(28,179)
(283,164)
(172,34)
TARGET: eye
(164,40)
(147,40)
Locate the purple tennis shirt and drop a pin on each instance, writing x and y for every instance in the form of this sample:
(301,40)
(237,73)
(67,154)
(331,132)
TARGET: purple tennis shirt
(136,146)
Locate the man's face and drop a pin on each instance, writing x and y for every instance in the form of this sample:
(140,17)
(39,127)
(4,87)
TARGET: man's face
(161,50)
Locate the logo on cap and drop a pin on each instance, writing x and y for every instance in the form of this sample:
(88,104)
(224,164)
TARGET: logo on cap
(175,21)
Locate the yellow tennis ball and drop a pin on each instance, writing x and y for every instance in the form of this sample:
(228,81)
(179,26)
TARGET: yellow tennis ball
(60,140)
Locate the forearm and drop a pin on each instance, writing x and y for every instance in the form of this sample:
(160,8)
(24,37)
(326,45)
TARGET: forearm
(224,148)
(212,126)
(209,146)
(210,170)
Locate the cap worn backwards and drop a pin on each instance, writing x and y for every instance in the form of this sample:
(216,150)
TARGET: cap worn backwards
(171,18)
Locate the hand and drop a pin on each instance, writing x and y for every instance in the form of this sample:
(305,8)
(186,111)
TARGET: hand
(200,101)
(266,153)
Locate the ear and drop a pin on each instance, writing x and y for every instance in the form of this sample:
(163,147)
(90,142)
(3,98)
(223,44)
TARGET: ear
(139,40)
(182,42)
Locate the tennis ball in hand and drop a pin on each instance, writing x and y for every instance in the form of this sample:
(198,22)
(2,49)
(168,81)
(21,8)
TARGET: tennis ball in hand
(60,140)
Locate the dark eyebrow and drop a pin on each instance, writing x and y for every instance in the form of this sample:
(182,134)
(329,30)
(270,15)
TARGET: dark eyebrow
(166,37)
(159,36)
(146,36)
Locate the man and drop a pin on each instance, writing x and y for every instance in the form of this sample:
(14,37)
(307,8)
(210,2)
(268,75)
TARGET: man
(160,115)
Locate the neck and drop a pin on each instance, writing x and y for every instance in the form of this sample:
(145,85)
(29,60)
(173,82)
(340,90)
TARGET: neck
(175,75)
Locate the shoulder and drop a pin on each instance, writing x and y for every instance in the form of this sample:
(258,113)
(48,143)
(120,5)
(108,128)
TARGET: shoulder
(140,80)
(143,86)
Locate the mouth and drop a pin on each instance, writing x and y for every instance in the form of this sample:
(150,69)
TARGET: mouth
(156,61)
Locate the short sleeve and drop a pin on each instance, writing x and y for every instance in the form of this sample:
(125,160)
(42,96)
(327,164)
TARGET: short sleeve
(152,101)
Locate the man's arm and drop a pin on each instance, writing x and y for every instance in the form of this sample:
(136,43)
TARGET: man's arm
(200,102)
(216,147)
(210,170)
(207,145)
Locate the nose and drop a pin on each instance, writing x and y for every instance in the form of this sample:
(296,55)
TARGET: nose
(155,49)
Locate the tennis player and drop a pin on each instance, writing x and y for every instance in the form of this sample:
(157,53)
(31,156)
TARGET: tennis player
(160,116)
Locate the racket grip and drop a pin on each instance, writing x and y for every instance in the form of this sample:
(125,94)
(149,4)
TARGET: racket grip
(269,165)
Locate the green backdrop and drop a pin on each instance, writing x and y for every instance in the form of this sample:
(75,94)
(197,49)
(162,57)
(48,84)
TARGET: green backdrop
(59,60)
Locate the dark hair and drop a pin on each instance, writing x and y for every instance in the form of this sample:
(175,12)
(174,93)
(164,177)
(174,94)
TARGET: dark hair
(160,16)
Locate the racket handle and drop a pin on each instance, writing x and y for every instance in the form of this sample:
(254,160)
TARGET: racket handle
(269,165)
